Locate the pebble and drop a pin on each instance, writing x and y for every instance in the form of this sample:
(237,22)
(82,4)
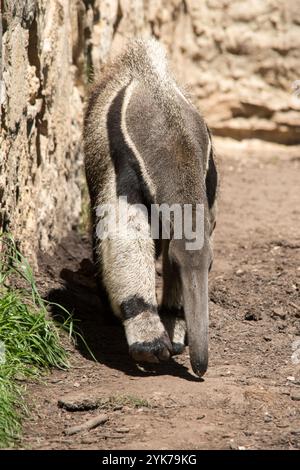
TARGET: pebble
(200,417)
(267,338)
(122,430)
(228,372)
(279,312)
(268,419)
(70,403)
(117,407)
(252,316)
(295,396)
(239,272)
(233,445)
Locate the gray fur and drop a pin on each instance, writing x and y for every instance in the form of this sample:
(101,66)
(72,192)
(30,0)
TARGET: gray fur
(144,139)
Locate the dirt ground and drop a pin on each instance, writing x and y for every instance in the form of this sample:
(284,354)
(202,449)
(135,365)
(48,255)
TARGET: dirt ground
(250,396)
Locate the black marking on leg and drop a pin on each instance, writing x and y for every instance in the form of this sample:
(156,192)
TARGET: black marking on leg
(135,305)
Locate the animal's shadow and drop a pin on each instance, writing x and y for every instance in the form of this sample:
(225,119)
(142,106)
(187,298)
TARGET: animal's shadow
(85,299)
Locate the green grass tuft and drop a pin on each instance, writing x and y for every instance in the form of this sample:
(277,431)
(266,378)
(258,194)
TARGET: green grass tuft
(29,342)
(123,400)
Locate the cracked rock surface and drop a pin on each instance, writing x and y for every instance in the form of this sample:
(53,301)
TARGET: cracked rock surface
(239,62)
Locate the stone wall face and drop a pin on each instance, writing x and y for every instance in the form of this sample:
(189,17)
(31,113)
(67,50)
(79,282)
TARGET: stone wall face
(40,124)
(238,58)
(243,64)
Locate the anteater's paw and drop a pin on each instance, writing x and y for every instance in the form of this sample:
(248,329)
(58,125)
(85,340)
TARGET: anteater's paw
(176,328)
(177,348)
(147,338)
(154,351)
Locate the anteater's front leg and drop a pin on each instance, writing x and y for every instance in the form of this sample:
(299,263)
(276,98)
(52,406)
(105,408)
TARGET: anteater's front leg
(171,310)
(128,271)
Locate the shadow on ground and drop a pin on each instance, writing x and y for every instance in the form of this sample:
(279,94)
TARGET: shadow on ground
(83,296)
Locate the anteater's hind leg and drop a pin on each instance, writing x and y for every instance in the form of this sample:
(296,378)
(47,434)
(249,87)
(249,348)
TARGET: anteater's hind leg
(172,313)
(128,272)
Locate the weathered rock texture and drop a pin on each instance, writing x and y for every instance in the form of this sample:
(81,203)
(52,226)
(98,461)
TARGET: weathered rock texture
(238,58)
(40,123)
